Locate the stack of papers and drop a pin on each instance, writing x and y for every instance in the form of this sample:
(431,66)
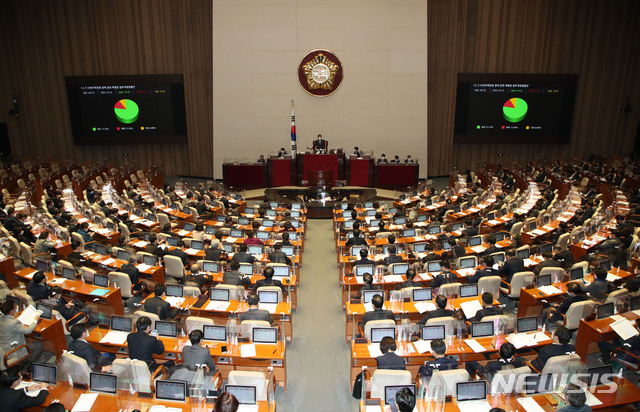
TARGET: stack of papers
(140,244)
(538,232)
(231,239)
(424,306)
(474,406)
(25,385)
(592,400)
(30,275)
(191,251)
(530,405)
(271,307)
(143,266)
(247,408)
(550,290)
(422,346)
(108,261)
(529,262)
(478,249)
(466,272)
(470,308)
(162,408)
(624,328)
(374,350)
(217,306)
(57,281)
(85,402)
(393,279)
(474,345)
(611,277)
(248,351)
(29,315)
(115,337)
(182,233)
(175,301)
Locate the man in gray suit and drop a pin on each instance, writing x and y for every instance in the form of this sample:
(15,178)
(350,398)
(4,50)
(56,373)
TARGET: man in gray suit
(12,332)
(196,354)
(234,277)
(254,313)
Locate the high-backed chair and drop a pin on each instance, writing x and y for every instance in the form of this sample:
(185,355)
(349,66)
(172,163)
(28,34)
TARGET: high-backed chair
(504,381)
(15,356)
(173,267)
(490,284)
(386,377)
(77,367)
(516,229)
(197,322)
(380,323)
(576,312)
(449,323)
(123,281)
(270,289)
(450,378)
(26,254)
(246,327)
(235,292)
(450,289)
(518,281)
(153,316)
(135,373)
(250,378)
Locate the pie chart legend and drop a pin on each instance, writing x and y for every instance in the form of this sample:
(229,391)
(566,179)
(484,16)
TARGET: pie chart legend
(127,111)
(514,110)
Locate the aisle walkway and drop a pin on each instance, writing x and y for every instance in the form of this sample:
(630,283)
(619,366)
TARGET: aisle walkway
(318,360)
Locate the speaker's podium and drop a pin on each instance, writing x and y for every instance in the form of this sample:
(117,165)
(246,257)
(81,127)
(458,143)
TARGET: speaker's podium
(318,166)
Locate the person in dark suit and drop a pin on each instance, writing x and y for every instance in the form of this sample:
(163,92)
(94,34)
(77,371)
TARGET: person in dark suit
(215,252)
(439,312)
(153,247)
(487,308)
(382,159)
(446,276)
(179,252)
(563,256)
(364,260)
(278,256)
(38,288)
(548,262)
(409,283)
(254,313)
(234,277)
(285,240)
(560,346)
(441,362)
(389,360)
(430,255)
(574,294)
(599,288)
(196,354)
(378,313)
(492,246)
(158,306)
(392,258)
(486,269)
(470,230)
(14,400)
(242,256)
(97,361)
(268,280)
(460,249)
(142,346)
(130,269)
(320,144)
(356,240)
(512,265)
(507,359)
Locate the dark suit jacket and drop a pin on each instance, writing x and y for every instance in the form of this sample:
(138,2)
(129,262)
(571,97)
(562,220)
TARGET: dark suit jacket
(243,257)
(256,314)
(443,364)
(364,262)
(431,257)
(565,258)
(377,314)
(512,266)
(159,307)
(197,355)
(235,278)
(38,291)
(408,284)
(486,311)
(279,257)
(549,263)
(598,289)
(550,351)
(436,313)
(356,241)
(180,253)
(458,251)
(94,358)
(470,231)
(132,271)
(391,361)
(143,347)
(393,259)
(491,249)
(155,250)
(568,301)
(267,282)
(482,273)
(443,278)
(213,254)
(14,400)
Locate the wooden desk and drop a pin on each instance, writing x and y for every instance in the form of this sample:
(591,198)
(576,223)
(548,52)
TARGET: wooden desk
(51,333)
(593,331)
(155,272)
(8,267)
(266,355)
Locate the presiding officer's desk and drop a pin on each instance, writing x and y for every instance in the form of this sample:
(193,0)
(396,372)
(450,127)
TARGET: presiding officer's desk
(125,401)
(267,355)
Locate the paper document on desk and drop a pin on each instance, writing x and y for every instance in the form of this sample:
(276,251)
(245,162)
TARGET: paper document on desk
(477,249)
(422,346)
(550,290)
(85,402)
(57,281)
(271,307)
(30,275)
(231,239)
(423,276)
(182,233)
(248,351)
(616,318)
(494,222)
(538,232)
(29,315)
(247,408)
(419,239)
(521,340)
(217,306)
(368,307)
(374,350)
(466,272)
(140,244)
(25,385)
(530,405)
(612,278)
(191,251)
(104,232)
(108,261)
(529,262)
(474,406)
(162,408)
(592,400)
(175,301)
(470,308)
(115,337)
(424,306)
(143,266)
(540,337)
(637,312)
(360,280)
(474,345)
(624,329)
(393,279)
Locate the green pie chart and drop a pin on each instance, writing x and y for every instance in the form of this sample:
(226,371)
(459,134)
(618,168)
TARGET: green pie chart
(126,111)
(514,110)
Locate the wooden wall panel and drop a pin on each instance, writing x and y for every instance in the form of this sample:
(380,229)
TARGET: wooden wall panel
(47,40)
(596,39)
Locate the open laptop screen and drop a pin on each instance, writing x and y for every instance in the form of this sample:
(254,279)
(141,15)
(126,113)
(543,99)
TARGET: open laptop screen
(167,328)
(433,266)
(268,296)
(246,395)
(634,303)
(378,333)
(46,310)
(576,273)
(367,295)
(471,391)
(400,268)
(101,280)
(360,270)
(390,391)
(210,267)
(600,374)
(42,372)
(433,332)
(215,332)
(522,254)
(467,291)
(543,280)
(475,241)
(481,329)
(121,323)
(68,273)
(171,390)
(421,294)
(606,310)
(197,244)
(538,384)
(528,324)
(219,294)
(175,290)
(103,382)
(42,266)
(265,335)
(467,262)
(281,271)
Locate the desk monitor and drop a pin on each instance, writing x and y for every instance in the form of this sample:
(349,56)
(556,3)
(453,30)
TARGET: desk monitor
(457,226)
(210,230)
(296,206)
(268,222)
(46,310)
(599,375)
(576,273)
(197,244)
(367,295)
(393,210)
(534,384)
(42,266)
(235,233)
(400,221)
(378,333)
(172,241)
(409,233)
(422,294)
(68,273)
(528,324)
(150,260)
(175,290)
(360,270)
(123,255)
(434,230)
(350,235)
(221,218)
(523,253)
(249,211)
(268,296)
(532,226)
(481,329)
(400,268)
(368,205)
(42,372)
(469,290)
(101,280)
(348,224)
(434,266)
(606,265)
(280,271)
(293,236)
(390,392)
(167,328)
(167,390)
(355,250)
(101,249)
(467,262)
(216,333)
(498,257)
(146,236)
(246,269)
(429,202)
(374,223)
(262,235)
(475,241)
(421,218)
(471,391)
(370,213)
(288,250)
(273,205)
(433,332)
(103,383)
(344,206)
(446,245)
(264,335)
(121,323)
(500,236)
(543,280)
(228,247)
(219,294)
(295,214)
(457,209)
(243,221)
(491,216)
(546,219)
(606,310)
(419,247)
(546,247)
(189,227)
(634,303)
(209,266)
(151,217)
(246,395)
(255,249)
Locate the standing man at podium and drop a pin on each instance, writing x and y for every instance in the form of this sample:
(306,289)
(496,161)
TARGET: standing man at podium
(320,145)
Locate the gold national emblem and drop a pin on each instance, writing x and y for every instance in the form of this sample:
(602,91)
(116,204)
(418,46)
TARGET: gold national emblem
(320,72)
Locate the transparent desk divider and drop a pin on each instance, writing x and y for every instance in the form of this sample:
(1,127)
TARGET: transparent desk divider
(271,397)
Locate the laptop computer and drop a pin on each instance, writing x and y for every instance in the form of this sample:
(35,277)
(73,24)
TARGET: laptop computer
(150,260)
(280,271)
(255,249)
(189,227)
(243,221)
(210,266)
(228,247)
(606,310)
(543,280)
(101,280)
(469,290)
(391,390)
(167,328)
(606,265)
(434,266)
(500,236)
(433,332)
(467,262)
(419,247)
(103,383)
(246,395)
(400,268)
(634,303)
(288,250)
(264,335)
(122,255)
(360,270)
(471,391)
(481,329)
(268,296)
(367,295)
(197,244)
(175,290)
(546,247)
(528,324)
(246,269)
(457,226)
(42,372)
(262,235)
(101,249)
(422,294)
(219,294)
(42,266)
(267,222)
(378,333)
(172,241)
(235,233)
(576,273)
(409,233)
(523,254)
(46,310)
(534,384)
(475,241)
(168,390)
(121,323)
(216,333)
(599,375)
(434,230)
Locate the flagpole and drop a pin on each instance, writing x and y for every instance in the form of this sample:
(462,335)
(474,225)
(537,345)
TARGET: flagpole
(294,147)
